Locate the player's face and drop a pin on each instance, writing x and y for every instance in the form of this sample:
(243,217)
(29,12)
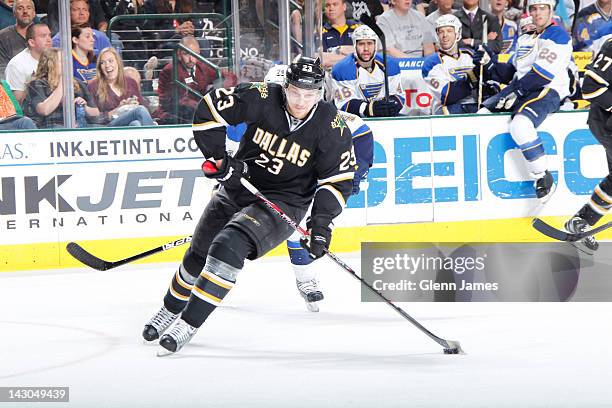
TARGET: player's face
(541,15)
(365,49)
(300,101)
(447,37)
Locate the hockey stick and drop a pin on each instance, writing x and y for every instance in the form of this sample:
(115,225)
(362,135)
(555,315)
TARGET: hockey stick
(561,235)
(576,10)
(369,21)
(87,258)
(450,346)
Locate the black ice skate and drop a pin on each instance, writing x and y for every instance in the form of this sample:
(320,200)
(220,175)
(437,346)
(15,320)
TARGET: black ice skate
(177,336)
(545,187)
(158,324)
(311,293)
(576,225)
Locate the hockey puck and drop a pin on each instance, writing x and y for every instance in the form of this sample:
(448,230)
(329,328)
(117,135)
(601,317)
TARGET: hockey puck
(451,351)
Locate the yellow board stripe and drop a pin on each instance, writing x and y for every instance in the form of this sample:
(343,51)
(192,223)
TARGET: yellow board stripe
(51,255)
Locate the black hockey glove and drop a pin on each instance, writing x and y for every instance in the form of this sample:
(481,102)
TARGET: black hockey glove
(229,173)
(382,108)
(319,239)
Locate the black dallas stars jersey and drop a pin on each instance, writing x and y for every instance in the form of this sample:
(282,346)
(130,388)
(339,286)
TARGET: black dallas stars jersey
(285,165)
(596,89)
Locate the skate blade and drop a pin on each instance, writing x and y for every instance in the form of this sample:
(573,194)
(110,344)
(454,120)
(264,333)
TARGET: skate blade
(312,307)
(162,352)
(582,248)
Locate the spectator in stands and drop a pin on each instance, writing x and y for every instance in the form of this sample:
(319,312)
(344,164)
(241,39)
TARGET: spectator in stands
(192,73)
(472,19)
(451,73)
(296,18)
(95,15)
(593,26)
(6,13)
(444,7)
(116,94)
(43,101)
(337,31)
(83,58)
(12,38)
(407,32)
(22,66)
(10,112)
(79,16)
(509,28)
(361,91)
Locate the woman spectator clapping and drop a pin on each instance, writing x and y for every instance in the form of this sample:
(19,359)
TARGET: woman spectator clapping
(117,95)
(43,103)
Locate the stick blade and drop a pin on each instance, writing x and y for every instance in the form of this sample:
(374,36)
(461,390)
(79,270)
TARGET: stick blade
(453,347)
(550,231)
(81,255)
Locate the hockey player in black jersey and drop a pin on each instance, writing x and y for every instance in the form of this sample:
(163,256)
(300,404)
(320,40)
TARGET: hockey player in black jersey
(296,149)
(596,89)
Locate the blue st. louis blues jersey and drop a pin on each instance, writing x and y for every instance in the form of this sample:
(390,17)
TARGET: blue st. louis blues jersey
(352,82)
(442,72)
(592,29)
(509,31)
(548,55)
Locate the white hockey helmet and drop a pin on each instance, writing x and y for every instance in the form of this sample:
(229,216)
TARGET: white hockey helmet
(549,3)
(276,75)
(363,32)
(448,20)
(524,23)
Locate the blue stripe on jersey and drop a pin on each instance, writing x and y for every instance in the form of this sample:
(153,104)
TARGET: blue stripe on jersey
(533,150)
(602,32)
(542,72)
(429,64)
(361,130)
(556,34)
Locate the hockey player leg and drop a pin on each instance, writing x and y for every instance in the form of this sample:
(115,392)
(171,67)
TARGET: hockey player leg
(526,137)
(225,260)
(599,204)
(218,211)
(176,297)
(305,275)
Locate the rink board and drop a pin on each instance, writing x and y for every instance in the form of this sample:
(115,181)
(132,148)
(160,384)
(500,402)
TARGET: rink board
(434,179)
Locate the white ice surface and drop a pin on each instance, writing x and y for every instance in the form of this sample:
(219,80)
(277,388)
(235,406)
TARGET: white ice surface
(81,328)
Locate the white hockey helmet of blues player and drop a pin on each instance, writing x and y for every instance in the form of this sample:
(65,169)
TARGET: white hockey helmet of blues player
(449,20)
(363,32)
(550,3)
(276,75)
